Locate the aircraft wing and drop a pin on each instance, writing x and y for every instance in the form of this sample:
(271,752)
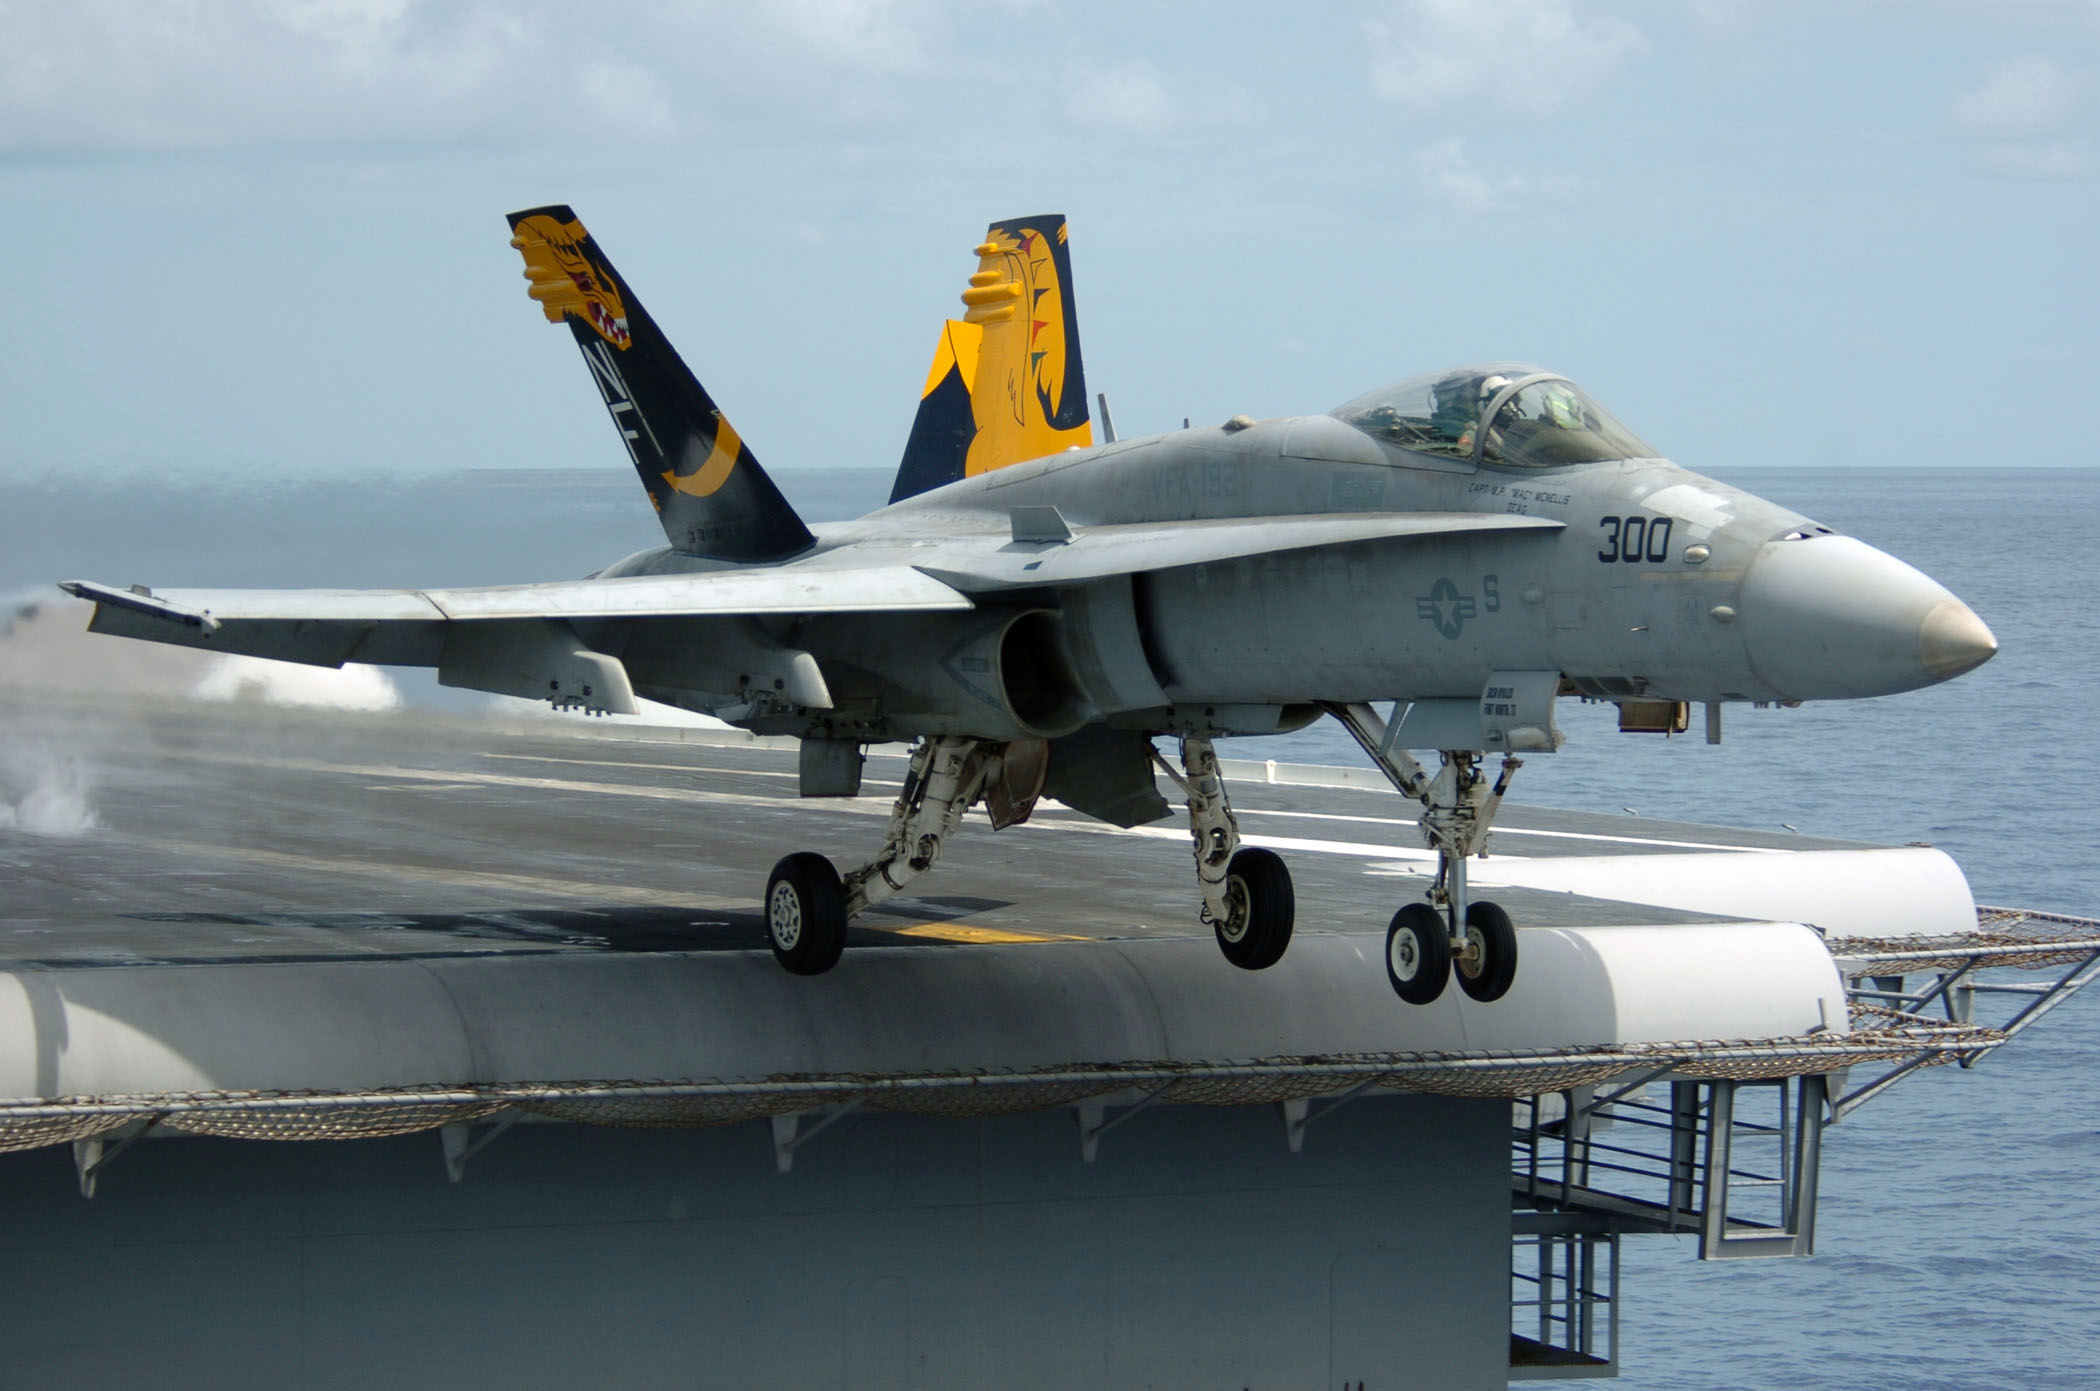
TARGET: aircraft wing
(470,631)
(1102,551)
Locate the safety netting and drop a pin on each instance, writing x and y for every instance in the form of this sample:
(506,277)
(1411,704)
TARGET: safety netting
(1876,1034)
(2014,938)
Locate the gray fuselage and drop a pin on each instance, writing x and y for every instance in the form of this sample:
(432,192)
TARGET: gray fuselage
(1658,583)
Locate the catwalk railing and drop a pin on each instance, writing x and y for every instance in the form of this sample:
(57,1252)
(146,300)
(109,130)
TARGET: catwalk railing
(1734,1161)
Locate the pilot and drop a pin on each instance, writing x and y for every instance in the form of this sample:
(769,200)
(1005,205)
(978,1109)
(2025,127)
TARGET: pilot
(1473,403)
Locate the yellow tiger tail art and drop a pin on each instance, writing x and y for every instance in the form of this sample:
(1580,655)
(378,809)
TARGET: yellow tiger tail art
(1006,383)
(709,492)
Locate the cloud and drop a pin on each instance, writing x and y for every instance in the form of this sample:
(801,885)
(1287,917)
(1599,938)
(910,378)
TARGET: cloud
(2022,121)
(1453,182)
(1724,19)
(1127,96)
(887,36)
(92,75)
(2035,160)
(2025,96)
(628,96)
(1536,55)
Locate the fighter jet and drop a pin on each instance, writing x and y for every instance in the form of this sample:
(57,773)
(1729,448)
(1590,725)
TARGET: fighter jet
(1037,612)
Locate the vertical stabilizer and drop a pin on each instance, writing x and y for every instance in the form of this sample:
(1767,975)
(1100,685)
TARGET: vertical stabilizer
(709,492)
(1006,383)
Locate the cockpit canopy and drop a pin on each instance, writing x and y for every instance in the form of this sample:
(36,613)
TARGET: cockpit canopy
(1537,419)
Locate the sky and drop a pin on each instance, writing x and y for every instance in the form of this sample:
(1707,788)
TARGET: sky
(267,237)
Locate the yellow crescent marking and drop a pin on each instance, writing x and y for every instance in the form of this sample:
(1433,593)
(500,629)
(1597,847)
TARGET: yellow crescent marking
(712,474)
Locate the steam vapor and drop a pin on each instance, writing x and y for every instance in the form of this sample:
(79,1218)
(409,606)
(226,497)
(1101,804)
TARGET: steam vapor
(56,800)
(353,687)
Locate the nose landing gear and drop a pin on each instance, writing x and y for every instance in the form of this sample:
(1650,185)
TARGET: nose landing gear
(1428,943)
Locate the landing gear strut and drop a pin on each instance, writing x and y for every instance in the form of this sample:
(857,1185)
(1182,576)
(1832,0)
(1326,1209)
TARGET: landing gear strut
(808,903)
(1428,943)
(1247,895)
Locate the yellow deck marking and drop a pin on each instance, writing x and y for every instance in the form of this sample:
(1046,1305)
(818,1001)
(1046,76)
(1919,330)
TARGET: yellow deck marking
(964,932)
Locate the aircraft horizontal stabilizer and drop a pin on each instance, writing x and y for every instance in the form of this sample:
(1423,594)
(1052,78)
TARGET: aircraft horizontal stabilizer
(1102,551)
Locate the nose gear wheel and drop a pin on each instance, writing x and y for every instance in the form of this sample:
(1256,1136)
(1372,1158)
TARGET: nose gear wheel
(1487,963)
(1417,954)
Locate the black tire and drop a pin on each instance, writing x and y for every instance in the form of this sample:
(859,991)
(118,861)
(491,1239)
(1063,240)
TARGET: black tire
(1418,954)
(806,914)
(1489,963)
(1264,906)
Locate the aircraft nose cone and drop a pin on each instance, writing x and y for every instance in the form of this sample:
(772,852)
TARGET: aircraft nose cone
(1831,618)
(1952,640)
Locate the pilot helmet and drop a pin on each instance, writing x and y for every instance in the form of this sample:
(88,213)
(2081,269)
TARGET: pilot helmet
(1489,385)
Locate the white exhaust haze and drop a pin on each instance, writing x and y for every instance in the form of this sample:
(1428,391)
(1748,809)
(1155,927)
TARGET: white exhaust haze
(45,795)
(352,687)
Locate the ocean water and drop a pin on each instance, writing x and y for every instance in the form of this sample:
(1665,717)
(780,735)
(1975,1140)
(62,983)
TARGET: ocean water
(1959,1245)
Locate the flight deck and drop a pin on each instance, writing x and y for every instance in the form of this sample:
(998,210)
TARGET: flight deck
(256,833)
(1037,1073)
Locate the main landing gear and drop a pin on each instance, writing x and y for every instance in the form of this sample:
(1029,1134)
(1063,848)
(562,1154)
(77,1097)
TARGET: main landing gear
(1428,943)
(1247,894)
(807,902)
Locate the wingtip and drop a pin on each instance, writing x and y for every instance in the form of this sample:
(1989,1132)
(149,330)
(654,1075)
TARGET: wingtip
(140,599)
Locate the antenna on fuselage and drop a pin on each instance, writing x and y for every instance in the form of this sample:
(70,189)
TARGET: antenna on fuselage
(1108,422)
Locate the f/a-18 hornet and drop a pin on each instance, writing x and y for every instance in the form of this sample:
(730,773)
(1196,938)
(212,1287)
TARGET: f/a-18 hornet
(1037,610)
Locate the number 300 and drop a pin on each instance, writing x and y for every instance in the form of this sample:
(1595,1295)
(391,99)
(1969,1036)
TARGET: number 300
(1635,539)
